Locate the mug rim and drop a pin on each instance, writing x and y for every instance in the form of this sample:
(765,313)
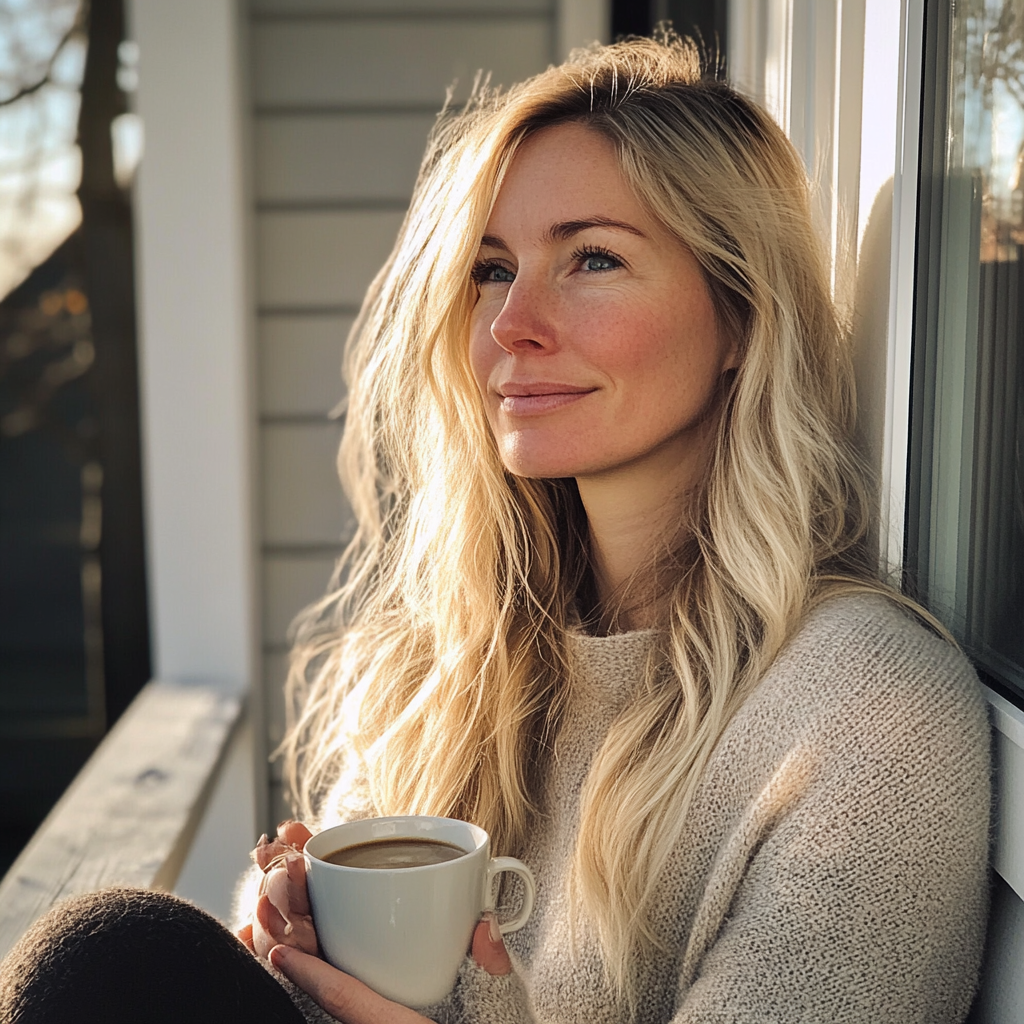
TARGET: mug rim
(481,838)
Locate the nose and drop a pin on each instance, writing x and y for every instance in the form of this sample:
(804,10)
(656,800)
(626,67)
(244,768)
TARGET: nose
(525,321)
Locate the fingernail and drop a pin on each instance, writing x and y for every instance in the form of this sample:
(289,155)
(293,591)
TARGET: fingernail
(260,843)
(281,824)
(279,954)
(493,929)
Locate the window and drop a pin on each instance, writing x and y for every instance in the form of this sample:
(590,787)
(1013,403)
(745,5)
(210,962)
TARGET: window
(965,521)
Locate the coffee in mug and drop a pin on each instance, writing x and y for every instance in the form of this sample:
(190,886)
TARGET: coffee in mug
(404,927)
(395,853)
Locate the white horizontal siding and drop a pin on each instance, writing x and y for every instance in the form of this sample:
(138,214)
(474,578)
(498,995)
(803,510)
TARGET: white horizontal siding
(327,158)
(300,364)
(310,258)
(299,8)
(289,584)
(275,672)
(302,500)
(312,63)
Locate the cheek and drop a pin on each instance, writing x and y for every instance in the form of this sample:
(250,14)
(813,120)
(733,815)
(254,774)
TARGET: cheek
(483,353)
(634,343)
(663,361)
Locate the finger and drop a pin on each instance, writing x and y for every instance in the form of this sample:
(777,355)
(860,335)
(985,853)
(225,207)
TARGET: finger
(341,995)
(267,928)
(244,934)
(489,947)
(266,853)
(260,843)
(271,928)
(298,891)
(276,886)
(291,836)
(293,833)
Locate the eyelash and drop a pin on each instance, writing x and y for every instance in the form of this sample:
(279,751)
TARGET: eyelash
(587,252)
(484,267)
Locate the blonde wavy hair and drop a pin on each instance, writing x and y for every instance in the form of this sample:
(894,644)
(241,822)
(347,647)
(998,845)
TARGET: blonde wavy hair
(438,662)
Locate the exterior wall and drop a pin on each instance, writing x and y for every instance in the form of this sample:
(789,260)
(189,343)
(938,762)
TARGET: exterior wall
(343,95)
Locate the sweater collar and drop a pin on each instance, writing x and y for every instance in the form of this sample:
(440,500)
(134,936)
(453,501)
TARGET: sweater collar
(610,668)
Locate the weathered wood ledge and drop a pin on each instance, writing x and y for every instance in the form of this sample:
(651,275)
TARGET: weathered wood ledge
(130,814)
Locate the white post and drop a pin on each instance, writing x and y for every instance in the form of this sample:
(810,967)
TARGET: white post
(195,349)
(197,393)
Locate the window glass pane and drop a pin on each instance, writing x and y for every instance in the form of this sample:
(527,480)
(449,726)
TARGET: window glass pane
(966,521)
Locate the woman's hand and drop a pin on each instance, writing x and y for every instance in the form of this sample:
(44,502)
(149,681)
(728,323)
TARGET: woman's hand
(282,914)
(352,1002)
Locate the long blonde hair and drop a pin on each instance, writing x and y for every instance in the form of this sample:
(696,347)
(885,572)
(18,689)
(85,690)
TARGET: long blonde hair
(438,660)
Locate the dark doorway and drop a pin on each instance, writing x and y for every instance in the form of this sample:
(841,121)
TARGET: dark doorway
(74,641)
(704,20)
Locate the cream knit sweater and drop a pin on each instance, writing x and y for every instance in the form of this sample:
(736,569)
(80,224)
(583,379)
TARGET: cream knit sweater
(834,863)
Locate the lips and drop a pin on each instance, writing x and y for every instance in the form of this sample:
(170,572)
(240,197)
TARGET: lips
(522,398)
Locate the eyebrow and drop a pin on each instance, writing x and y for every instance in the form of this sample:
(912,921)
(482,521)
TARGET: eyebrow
(565,230)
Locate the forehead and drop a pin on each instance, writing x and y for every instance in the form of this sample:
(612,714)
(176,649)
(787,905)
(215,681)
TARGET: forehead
(563,173)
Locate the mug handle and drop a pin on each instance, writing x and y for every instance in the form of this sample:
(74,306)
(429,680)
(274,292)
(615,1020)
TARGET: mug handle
(494,867)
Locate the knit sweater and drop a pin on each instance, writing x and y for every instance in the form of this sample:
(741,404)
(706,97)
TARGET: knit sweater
(833,863)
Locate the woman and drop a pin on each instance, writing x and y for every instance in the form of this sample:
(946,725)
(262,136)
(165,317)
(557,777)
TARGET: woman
(610,596)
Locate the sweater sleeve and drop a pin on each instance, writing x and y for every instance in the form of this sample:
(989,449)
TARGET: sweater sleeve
(482,998)
(858,890)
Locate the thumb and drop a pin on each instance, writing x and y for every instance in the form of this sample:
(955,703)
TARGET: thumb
(489,947)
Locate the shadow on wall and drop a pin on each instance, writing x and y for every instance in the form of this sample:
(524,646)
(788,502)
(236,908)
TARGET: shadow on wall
(870,329)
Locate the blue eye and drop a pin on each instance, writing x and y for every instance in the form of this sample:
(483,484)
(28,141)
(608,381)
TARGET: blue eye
(595,259)
(490,272)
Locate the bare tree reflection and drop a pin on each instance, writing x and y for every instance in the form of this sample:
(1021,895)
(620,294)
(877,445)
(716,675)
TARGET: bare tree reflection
(992,103)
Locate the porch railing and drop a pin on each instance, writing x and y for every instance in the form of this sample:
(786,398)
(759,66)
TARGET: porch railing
(131,813)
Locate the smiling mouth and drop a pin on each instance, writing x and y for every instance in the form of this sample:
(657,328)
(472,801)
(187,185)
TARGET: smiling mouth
(524,399)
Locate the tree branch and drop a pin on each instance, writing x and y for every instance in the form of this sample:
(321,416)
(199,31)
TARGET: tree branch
(28,90)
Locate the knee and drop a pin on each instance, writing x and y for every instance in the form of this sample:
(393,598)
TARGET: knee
(98,948)
(120,922)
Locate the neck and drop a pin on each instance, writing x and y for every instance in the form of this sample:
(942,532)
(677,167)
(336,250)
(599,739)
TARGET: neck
(634,516)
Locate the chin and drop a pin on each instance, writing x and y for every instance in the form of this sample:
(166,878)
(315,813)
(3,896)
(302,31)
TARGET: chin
(551,461)
(538,472)
(540,469)
(545,467)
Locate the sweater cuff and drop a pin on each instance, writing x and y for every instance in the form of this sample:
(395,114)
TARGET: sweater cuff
(478,998)
(313,1012)
(482,998)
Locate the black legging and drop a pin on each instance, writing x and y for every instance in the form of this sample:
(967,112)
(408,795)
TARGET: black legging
(129,956)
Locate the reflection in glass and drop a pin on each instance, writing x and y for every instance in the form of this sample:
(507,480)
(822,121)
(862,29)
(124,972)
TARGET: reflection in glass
(966,533)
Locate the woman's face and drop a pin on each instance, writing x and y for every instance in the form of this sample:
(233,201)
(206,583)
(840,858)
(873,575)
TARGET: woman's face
(594,340)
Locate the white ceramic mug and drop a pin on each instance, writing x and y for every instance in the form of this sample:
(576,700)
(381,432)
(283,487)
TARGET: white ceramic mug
(405,931)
